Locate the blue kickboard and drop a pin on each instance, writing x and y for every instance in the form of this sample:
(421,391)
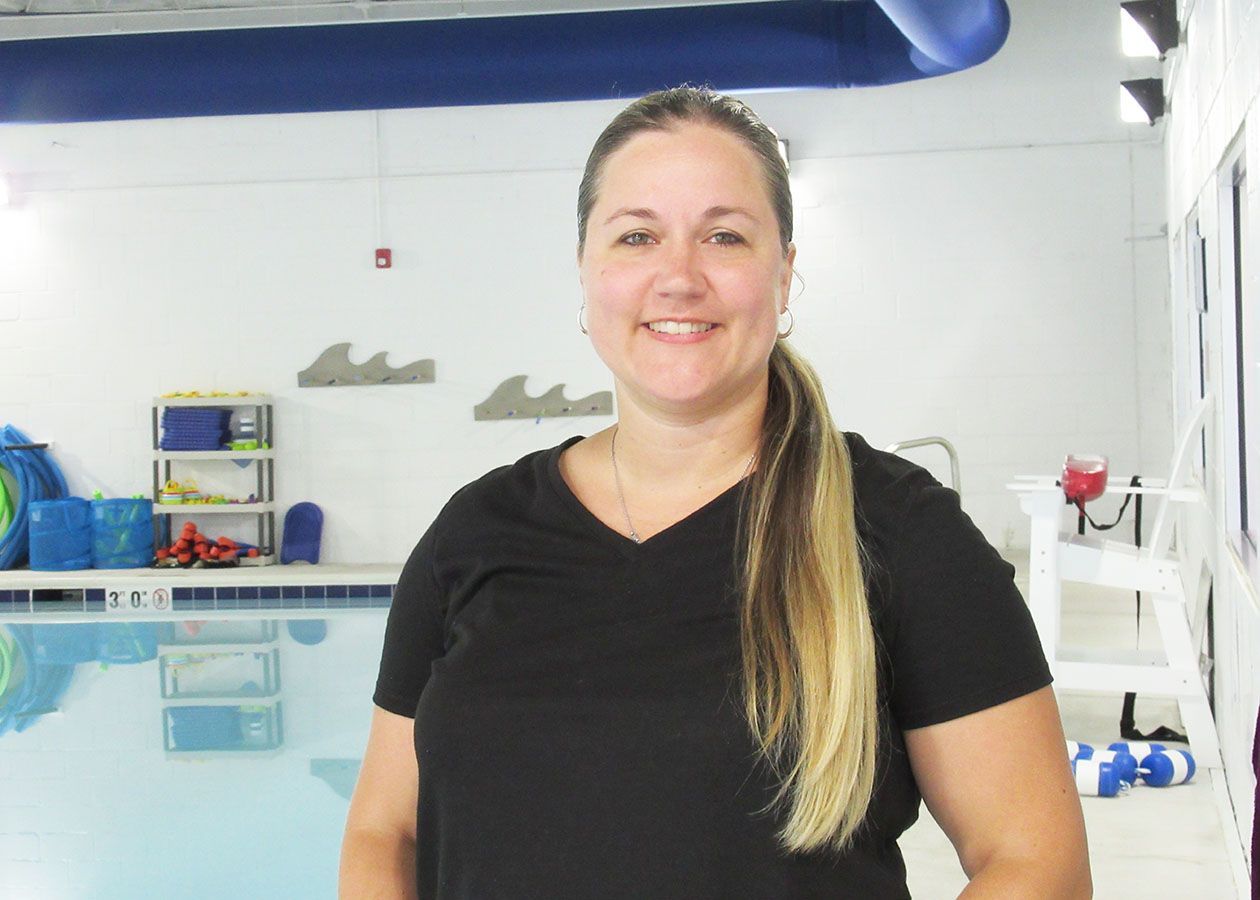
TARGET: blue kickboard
(303,527)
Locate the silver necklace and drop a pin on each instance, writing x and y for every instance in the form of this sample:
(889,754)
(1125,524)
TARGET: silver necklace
(634,535)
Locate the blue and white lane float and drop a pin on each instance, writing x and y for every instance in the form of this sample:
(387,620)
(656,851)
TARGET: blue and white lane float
(1125,764)
(1139,750)
(1095,778)
(1107,773)
(1168,767)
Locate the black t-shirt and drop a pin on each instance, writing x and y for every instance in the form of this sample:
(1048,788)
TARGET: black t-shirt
(578,698)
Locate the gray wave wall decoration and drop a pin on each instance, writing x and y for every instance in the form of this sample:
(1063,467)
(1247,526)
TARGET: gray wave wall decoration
(333,368)
(509,401)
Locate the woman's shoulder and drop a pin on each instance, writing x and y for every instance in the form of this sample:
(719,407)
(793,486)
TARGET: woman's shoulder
(504,490)
(884,484)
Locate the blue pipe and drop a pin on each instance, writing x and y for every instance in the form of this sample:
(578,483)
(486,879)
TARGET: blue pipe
(953,35)
(469,61)
(38,478)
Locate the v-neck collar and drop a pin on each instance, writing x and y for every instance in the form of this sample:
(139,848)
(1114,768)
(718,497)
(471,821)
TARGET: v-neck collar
(613,538)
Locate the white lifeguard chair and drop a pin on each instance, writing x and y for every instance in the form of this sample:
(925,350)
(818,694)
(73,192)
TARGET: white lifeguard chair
(1164,573)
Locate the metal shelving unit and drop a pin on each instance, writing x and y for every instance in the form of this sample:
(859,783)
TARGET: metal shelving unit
(221,690)
(263,462)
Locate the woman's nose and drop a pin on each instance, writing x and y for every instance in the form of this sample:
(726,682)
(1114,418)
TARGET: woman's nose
(681,272)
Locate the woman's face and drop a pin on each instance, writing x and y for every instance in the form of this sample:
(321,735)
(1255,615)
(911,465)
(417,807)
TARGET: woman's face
(683,271)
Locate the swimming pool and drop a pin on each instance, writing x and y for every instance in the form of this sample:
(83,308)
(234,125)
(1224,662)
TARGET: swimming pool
(211,754)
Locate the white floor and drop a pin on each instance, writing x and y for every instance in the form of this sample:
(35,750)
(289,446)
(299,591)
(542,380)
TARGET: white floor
(1152,843)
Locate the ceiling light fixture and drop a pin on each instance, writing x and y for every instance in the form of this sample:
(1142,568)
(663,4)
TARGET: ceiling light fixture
(1148,27)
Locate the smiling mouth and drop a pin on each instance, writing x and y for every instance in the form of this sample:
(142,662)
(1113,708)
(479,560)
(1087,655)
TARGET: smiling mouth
(669,326)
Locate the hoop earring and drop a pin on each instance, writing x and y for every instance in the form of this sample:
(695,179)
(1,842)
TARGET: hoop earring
(581,325)
(791,323)
(797,275)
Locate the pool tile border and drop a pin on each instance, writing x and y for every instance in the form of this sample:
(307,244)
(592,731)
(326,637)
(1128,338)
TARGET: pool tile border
(17,601)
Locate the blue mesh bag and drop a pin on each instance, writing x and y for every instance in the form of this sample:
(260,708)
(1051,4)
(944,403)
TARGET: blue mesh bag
(61,534)
(122,533)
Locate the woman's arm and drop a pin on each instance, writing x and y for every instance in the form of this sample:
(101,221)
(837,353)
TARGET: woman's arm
(378,854)
(998,783)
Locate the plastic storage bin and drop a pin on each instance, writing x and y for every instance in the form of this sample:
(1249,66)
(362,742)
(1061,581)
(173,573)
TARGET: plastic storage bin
(122,534)
(238,728)
(61,534)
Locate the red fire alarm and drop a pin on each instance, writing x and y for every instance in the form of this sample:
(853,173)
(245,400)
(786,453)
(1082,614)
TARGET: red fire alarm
(384,258)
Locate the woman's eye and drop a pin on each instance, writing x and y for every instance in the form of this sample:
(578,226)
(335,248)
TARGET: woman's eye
(636,238)
(726,237)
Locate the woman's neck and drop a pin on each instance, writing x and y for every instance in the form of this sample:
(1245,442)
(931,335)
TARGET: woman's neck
(660,451)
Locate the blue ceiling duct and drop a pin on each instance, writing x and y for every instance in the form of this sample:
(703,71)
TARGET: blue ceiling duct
(470,61)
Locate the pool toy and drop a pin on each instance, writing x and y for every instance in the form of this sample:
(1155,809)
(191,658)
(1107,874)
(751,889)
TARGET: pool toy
(1077,750)
(6,504)
(172,492)
(1166,767)
(1139,750)
(1095,778)
(192,394)
(195,428)
(1125,764)
(303,526)
(194,550)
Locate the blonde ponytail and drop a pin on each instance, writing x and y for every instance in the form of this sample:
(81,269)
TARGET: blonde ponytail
(806,632)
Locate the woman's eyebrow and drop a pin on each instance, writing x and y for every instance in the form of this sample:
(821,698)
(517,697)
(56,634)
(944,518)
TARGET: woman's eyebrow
(713,212)
(716,212)
(638,213)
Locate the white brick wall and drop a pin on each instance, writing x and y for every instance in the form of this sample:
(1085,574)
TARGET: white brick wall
(1214,80)
(976,250)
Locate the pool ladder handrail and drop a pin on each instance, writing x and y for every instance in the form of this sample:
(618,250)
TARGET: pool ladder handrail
(955,478)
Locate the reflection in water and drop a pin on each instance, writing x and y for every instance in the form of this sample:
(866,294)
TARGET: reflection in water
(38,662)
(338,774)
(221,681)
(182,758)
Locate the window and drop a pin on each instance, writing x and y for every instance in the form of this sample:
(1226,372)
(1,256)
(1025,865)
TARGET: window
(1197,251)
(1243,286)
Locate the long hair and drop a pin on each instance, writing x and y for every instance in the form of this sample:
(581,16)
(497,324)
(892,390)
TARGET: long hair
(807,642)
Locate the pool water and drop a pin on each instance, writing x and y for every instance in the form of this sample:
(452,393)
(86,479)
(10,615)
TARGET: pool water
(184,758)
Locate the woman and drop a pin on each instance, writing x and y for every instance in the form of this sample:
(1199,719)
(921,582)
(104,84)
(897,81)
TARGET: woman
(720,649)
